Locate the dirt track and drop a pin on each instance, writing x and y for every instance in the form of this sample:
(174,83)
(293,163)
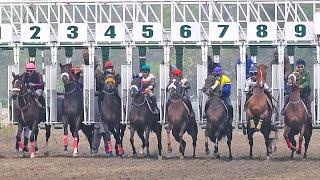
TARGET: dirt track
(58,166)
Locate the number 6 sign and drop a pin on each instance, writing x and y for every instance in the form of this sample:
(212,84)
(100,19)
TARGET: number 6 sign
(186,31)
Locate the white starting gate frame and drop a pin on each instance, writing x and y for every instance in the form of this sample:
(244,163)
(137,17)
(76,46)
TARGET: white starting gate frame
(126,77)
(88,23)
(11,115)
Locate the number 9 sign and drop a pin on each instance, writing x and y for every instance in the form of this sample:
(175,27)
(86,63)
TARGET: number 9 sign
(299,31)
(72,32)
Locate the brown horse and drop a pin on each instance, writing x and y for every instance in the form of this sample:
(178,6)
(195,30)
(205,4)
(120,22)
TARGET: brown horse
(259,111)
(218,122)
(178,119)
(142,119)
(296,118)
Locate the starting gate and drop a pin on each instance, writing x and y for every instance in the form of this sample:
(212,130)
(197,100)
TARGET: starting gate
(51,94)
(316,91)
(277,91)
(126,77)
(202,98)
(164,81)
(88,93)
(11,69)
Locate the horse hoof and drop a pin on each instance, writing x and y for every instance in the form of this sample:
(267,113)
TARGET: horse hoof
(299,151)
(159,157)
(32,155)
(75,155)
(109,155)
(46,154)
(25,154)
(230,158)
(208,152)
(267,158)
(181,156)
(250,156)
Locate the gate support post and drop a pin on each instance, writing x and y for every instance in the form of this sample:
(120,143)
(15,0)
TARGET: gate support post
(142,56)
(291,55)
(164,81)
(316,86)
(216,54)
(202,71)
(68,53)
(241,78)
(254,53)
(179,57)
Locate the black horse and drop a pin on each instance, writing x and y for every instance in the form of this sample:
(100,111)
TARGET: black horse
(73,112)
(218,122)
(29,114)
(178,119)
(142,119)
(111,114)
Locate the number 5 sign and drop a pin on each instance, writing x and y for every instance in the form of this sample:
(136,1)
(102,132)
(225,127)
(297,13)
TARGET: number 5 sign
(262,31)
(186,31)
(72,32)
(147,31)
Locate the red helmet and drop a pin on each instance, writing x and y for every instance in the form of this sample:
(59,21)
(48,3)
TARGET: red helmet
(176,72)
(30,66)
(108,63)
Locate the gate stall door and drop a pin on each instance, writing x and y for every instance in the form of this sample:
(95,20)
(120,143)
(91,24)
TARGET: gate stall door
(164,81)
(126,77)
(202,98)
(316,91)
(12,117)
(278,91)
(241,97)
(88,93)
(51,96)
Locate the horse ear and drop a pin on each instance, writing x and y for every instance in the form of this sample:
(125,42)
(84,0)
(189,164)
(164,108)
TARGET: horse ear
(13,74)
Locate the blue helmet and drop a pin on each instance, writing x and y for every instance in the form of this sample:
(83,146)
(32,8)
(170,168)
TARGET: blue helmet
(146,67)
(252,70)
(301,62)
(217,70)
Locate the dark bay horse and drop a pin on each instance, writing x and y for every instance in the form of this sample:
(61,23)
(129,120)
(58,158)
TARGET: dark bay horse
(178,119)
(217,125)
(29,114)
(72,109)
(296,118)
(259,111)
(111,114)
(142,119)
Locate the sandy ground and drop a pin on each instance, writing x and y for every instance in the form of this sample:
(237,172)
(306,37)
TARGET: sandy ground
(60,166)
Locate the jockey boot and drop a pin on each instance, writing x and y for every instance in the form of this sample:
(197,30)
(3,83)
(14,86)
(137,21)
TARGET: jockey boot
(189,105)
(285,104)
(245,106)
(307,102)
(154,106)
(269,97)
(230,114)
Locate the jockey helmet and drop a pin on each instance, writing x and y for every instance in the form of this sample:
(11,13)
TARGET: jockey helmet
(176,72)
(252,70)
(217,70)
(30,66)
(108,63)
(301,62)
(146,67)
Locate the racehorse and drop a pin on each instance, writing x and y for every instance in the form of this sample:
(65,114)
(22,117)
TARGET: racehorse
(111,114)
(29,114)
(142,119)
(259,111)
(218,122)
(178,119)
(72,110)
(296,118)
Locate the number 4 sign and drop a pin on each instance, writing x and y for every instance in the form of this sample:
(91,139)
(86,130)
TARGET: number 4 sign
(110,32)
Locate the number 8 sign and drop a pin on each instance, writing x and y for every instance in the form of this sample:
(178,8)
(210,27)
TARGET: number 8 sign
(262,31)
(72,32)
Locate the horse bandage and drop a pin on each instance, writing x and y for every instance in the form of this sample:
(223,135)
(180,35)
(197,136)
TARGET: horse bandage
(108,80)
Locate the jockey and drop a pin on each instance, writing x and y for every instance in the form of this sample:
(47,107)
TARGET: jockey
(76,72)
(109,72)
(304,85)
(185,85)
(251,83)
(225,84)
(33,79)
(148,85)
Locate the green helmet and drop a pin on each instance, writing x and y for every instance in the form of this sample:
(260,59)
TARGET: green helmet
(146,67)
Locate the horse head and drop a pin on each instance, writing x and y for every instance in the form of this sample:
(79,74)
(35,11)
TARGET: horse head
(66,75)
(261,75)
(174,88)
(136,86)
(16,85)
(109,85)
(293,79)
(211,85)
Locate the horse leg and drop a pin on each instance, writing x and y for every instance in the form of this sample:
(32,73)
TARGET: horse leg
(216,148)
(294,143)
(250,132)
(182,142)
(122,128)
(158,132)
(75,135)
(26,136)
(303,128)
(36,138)
(229,136)
(48,133)
(19,145)
(143,141)
(169,138)
(307,137)
(132,131)
(32,140)
(88,131)
(286,137)
(117,136)
(206,144)
(266,133)
(65,133)
(147,140)
(193,132)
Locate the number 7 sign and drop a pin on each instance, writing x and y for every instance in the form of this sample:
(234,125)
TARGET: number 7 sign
(223,31)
